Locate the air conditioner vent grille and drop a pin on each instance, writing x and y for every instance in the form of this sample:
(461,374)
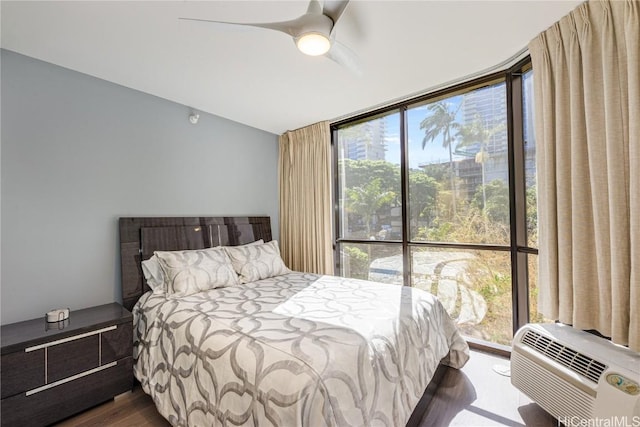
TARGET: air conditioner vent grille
(585,366)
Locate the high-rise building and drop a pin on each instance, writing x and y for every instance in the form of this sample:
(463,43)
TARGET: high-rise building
(365,141)
(487,107)
(484,159)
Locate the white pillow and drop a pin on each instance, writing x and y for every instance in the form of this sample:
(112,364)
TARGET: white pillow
(155,277)
(188,272)
(256,262)
(153,274)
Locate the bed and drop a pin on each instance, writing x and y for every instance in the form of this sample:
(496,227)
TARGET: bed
(290,349)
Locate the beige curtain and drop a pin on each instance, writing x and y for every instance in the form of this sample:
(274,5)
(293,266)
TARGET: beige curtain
(587,121)
(305,199)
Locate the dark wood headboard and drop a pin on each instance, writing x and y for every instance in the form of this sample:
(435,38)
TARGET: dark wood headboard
(140,236)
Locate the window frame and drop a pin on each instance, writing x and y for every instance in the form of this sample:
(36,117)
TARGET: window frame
(517,248)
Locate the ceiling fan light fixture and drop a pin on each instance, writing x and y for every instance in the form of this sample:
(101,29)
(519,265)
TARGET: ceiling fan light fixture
(313,44)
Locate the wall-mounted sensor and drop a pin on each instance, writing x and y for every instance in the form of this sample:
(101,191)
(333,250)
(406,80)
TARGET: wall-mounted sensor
(193,118)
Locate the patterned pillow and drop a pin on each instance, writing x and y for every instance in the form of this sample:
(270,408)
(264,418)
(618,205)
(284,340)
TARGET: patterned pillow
(188,272)
(257,262)
(257,242)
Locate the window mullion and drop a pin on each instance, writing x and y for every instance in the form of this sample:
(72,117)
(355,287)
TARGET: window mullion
(404,185)
(517,201)
(337,224)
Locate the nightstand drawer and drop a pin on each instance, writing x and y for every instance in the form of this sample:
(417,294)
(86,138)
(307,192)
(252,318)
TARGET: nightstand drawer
(21,371)
(70,358)
(116,343)
(44,407)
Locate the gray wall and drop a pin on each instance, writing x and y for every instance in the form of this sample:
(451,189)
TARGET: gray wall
(79,152)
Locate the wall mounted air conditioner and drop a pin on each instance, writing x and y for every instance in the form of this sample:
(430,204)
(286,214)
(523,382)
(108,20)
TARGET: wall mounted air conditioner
(576,376)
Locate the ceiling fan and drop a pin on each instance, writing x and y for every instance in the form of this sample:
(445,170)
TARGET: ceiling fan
(313,32)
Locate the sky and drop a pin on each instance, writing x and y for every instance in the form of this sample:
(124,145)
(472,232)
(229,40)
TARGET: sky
(433,151)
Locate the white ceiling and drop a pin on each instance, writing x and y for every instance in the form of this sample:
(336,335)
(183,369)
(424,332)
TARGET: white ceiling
(258,77)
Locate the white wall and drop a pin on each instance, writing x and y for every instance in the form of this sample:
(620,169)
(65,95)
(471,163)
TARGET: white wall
(79,152)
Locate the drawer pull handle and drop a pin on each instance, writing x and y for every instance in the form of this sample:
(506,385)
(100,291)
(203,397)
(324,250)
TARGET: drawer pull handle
(73,338)
(71,378)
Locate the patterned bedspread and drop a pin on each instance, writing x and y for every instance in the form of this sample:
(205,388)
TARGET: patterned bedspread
(293,350)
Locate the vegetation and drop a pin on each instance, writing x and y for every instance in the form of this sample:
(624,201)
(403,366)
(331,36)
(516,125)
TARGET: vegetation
(358,262)
(372,189)
(366,200)
(372,192)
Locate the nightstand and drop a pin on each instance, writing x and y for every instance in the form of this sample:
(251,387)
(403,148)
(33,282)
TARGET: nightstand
(49,371)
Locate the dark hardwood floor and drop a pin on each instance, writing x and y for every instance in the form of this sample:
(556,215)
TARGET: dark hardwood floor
(475,396)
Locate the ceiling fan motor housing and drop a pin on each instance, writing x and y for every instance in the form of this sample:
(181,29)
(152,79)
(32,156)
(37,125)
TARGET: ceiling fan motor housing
(313,23)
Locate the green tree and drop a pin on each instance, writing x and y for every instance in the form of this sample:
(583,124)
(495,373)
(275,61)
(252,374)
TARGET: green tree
(437,171)
(423,191)
(358,173)
(367,200)
(493,199)
(442,121)
(358,262)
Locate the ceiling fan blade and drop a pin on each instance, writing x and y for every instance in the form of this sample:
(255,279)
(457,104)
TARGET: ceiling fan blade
(334,8)
(345,57)
(314,7)
(288,27)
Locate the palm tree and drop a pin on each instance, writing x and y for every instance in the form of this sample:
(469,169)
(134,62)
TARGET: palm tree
(442,121)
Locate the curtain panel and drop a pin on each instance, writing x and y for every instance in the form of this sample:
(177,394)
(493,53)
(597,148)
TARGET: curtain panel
(305,199)
(587,124)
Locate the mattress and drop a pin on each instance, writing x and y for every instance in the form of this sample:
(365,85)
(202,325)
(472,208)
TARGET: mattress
(293,350)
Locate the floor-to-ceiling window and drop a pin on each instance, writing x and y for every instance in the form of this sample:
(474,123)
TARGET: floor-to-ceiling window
(439,193)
